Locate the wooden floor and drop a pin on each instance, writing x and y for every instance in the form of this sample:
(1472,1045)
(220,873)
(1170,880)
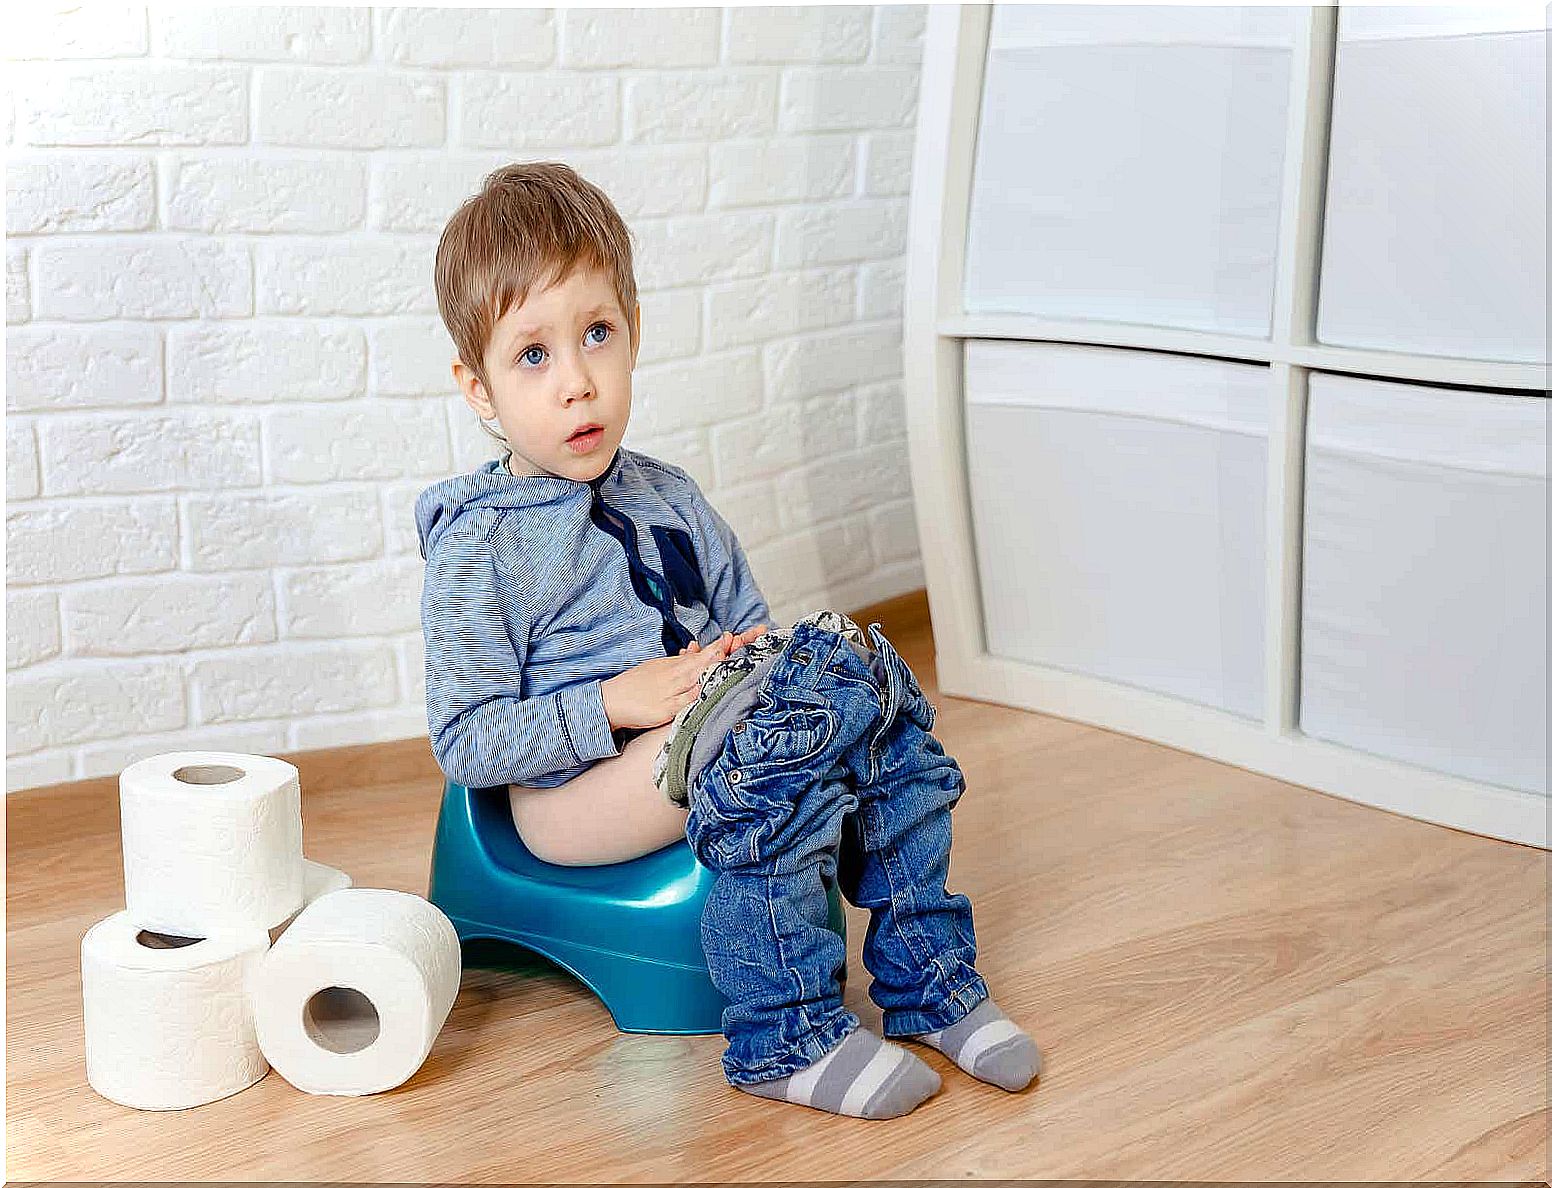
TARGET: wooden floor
(1231,979)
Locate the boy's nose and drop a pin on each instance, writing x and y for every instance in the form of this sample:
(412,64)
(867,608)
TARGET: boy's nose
(575,385)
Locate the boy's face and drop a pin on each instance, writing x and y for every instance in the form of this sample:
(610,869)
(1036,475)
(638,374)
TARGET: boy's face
(560,377)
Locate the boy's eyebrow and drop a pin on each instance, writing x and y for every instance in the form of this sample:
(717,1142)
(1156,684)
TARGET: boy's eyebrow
(520,332)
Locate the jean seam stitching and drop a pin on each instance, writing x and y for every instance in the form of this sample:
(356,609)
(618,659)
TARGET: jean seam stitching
(781,953)
(889,856)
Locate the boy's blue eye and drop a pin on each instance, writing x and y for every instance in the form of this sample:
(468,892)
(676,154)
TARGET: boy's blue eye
(526,356)
(604,326)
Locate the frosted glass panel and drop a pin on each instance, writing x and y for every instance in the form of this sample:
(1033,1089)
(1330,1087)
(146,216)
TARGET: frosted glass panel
(1436,200)
(1425,577)
(1119,505)
(1129,165)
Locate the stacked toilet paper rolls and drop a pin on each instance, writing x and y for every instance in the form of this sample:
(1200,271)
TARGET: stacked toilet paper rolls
(214,876)
(169,1018)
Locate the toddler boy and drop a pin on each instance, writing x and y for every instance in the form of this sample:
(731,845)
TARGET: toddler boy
(582,601)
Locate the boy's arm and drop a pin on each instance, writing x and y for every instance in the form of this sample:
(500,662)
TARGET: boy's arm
(483,732)
(732,594)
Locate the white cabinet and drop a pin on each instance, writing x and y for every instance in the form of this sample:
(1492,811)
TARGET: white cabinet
(1425,577)
(1225,372)
(1119,503)
(1129,165)
(1435,219)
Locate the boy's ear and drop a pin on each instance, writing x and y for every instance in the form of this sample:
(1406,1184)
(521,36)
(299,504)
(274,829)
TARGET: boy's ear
(474,393)
(636,338)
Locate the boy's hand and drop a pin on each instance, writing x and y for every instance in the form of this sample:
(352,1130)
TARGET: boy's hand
(652,692)
(739,640)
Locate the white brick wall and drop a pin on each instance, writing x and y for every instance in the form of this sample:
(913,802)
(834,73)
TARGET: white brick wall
(226,381)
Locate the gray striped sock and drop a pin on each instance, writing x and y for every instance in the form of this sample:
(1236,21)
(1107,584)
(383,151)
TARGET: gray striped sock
(863,1076)
(989,1046)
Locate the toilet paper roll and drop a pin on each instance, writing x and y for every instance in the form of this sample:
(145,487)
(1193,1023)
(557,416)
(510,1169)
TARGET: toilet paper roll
(212,842)
(169,1021)
(318,880)
(351,998)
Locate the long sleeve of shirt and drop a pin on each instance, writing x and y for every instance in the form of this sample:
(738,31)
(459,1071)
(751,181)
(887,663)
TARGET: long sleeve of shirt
(483,731)
(733,596)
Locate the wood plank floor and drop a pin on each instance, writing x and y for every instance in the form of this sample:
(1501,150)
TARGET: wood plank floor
(1231,978)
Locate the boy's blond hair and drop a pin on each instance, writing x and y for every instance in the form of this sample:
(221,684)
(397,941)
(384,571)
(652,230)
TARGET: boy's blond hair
(530,225)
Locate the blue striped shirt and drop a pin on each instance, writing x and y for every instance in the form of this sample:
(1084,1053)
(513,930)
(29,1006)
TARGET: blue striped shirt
(539,589)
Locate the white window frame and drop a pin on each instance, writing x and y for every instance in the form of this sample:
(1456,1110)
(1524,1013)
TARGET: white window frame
(934,330)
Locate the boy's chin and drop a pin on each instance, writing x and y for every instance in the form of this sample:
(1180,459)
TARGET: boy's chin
(588,468)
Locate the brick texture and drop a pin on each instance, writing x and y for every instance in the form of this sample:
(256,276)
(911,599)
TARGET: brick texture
(226,380)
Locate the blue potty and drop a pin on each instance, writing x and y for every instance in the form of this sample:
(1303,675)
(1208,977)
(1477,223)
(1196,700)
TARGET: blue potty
(631,931)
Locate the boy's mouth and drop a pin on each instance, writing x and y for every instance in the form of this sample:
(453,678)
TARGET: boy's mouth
(585,439)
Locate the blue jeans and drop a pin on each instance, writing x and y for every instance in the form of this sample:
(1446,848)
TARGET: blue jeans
(826,778)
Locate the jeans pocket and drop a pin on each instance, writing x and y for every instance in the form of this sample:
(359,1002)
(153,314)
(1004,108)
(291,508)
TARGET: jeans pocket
(781,735)
(718,819)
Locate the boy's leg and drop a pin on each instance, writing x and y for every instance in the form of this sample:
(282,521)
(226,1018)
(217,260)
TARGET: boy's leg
(766,815)
(920,945)
(612,812)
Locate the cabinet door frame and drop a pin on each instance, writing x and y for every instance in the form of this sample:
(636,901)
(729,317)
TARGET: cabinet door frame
(935,327)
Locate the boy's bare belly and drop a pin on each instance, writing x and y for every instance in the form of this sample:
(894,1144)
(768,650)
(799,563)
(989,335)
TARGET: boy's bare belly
(612,812)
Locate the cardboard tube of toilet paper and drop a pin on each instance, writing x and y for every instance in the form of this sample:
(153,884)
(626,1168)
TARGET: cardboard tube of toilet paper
(169,1023)
(353,995)
(318,880)
(212,842)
